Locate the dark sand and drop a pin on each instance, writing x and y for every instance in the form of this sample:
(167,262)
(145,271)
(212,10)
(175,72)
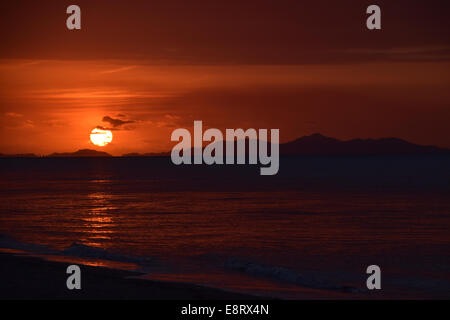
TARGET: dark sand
(23,277)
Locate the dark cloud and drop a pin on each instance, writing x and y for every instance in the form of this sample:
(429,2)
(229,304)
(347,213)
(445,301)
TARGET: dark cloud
(223,32)
(116,122)
(105,128)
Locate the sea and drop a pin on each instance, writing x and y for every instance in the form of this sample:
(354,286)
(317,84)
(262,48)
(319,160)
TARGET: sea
(309,232)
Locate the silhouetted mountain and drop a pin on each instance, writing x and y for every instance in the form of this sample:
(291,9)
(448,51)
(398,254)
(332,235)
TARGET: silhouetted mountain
(19,155)
(315,144)
(80,153)
(318,144)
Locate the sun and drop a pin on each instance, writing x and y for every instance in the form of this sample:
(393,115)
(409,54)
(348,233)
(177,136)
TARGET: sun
(101,137)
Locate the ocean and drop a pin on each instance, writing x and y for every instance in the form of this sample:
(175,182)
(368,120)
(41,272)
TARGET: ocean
(309,232)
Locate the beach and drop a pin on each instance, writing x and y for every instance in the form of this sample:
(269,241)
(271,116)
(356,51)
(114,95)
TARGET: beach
(23,277)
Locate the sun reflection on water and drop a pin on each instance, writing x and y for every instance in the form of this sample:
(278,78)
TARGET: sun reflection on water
(98,220)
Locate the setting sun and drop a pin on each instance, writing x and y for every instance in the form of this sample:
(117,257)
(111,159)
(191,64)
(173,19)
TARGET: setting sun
(101,137)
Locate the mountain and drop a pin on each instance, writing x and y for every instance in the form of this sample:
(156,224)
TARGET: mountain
(318,144)
(80,154)
(315,144)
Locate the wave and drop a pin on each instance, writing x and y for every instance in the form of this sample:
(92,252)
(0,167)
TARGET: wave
(74,250)
(85,251)
(11,243)
(286,275)
(147,264)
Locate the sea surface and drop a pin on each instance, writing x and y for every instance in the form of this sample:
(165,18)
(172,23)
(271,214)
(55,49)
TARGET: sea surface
(309,232)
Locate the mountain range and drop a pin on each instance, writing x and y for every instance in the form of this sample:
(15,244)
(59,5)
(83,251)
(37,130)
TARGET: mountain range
(315,144)
(318,144)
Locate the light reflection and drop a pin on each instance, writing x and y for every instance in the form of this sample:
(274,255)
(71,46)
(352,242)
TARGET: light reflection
(98,228)
(90,262)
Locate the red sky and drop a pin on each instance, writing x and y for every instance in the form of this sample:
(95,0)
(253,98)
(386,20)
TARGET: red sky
(299,66)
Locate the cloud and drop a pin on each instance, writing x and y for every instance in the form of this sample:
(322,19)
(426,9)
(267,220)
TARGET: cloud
(118,70)
(17,121)
(13,115)
(105,128)
(279,32)
(172,117)
(116,122)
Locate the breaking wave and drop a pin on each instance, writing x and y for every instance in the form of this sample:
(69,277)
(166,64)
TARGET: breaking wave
(84,251)
(285,275)
(74,250)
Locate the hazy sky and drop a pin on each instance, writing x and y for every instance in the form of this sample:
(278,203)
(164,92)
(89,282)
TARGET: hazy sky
(152,66)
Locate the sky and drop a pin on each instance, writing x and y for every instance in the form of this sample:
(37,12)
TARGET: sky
(144,68)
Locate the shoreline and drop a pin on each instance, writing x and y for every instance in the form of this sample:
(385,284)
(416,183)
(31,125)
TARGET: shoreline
(27,277)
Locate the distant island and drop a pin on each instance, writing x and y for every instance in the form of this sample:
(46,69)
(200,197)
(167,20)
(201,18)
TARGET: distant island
(80,154)
(318,144)
(315,144)
(19,155)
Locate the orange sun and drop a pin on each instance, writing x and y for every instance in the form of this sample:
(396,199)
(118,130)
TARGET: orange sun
(101,137)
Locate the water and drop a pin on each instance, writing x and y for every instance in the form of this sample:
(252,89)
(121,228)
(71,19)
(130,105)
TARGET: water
(309,232)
